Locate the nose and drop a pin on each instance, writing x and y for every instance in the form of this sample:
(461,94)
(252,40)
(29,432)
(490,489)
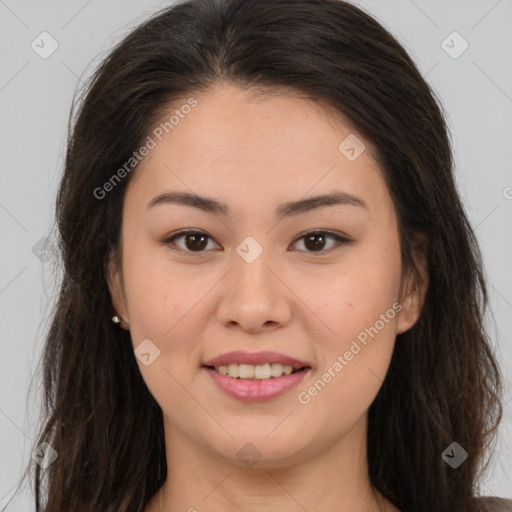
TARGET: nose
(254,295)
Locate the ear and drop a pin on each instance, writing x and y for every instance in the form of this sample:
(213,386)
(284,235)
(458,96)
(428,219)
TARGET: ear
(116,287)
(414,285)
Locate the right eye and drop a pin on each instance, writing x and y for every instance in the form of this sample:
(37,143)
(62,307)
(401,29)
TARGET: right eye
(193,241)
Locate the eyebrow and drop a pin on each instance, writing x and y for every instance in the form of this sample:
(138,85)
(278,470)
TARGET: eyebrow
(291,208)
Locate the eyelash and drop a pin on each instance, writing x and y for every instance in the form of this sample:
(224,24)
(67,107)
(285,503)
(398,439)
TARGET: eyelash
(340,240)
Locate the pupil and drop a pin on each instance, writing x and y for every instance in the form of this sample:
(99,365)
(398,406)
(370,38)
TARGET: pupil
(315,245)
(194,246)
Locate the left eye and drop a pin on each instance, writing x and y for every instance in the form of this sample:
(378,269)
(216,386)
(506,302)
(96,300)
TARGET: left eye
(314,241)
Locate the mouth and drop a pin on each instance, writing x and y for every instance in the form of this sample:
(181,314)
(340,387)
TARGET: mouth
(256,377)
(264,371)
(256,383)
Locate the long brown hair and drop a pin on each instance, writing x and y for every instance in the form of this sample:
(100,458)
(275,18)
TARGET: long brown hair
(443,384)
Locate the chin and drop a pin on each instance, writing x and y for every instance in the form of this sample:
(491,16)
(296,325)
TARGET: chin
(260,452)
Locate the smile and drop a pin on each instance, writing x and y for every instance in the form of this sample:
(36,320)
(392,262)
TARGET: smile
(253,389)
(258,372)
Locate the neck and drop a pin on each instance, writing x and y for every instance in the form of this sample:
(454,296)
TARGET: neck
(335,480)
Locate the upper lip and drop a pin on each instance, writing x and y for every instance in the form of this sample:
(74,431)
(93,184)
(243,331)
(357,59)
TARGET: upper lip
(255,358)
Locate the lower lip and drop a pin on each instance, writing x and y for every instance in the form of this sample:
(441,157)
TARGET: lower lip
(256,390)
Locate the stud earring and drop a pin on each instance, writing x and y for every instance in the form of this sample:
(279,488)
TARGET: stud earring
(118,320)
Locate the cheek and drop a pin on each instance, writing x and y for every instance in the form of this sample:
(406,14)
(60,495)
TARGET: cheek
(161,296)
(165,307)
(359,305)
(353,362)
(171,305)
(351,297)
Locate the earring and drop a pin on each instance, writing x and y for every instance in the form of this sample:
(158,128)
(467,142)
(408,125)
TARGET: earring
(118,320)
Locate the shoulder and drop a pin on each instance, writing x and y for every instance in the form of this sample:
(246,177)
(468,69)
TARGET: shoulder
(492,504)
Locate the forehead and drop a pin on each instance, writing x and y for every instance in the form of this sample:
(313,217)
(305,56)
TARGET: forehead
(247,145)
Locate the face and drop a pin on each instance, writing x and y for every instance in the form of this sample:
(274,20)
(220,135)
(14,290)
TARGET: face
(261,268)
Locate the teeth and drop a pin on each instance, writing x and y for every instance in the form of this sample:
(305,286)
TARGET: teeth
(232,370)
(246,371)
(259,371)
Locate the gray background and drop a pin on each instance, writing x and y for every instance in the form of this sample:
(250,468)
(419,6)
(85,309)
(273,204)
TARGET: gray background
(35,96)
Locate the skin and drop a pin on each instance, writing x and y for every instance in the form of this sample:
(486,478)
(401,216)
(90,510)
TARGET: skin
(254,152)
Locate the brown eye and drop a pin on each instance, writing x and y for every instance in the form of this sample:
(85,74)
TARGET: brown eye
(194,241)
(316,241)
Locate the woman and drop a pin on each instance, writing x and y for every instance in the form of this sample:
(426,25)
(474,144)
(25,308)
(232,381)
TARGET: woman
(272,298)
